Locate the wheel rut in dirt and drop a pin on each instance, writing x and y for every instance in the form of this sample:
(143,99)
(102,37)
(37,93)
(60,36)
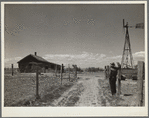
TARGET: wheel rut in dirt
(70,97)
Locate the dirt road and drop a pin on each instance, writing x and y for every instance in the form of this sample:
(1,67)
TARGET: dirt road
(86,92)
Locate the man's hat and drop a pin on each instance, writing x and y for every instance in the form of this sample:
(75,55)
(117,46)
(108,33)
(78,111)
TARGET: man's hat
(112,64)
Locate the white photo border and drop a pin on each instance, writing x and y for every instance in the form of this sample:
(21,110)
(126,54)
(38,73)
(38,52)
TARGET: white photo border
(74,111)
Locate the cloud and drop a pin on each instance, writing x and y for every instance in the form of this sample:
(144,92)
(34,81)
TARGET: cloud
(116,57)
(67,56)
(86,59)
(10,61)
(108,59)
(139,56)
(83,58)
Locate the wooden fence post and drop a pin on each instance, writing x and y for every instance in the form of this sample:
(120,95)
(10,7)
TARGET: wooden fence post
(108,76)
(37,83)
(12,68)
(108,72)
(61,73)
(69,71)
(76,72)
(105,72)
(56,70)
(140,83)
(119,81)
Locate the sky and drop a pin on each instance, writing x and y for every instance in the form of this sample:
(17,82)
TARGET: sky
(89,35)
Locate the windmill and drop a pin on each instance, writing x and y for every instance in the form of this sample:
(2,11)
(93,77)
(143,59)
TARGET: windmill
(127,59)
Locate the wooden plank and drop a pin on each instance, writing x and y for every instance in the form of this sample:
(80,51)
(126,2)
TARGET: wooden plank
(140,83)
(129,71)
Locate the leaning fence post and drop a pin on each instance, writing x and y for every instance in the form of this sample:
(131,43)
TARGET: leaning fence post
(12,68)
(140,83)
(119,81)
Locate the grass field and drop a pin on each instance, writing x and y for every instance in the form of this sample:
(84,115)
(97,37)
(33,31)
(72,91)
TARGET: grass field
(128,95)
(21,87)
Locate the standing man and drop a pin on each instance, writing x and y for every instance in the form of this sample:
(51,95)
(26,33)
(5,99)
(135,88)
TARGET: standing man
(113,74)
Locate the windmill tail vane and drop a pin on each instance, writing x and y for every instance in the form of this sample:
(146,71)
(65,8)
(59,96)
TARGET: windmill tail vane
(140,25)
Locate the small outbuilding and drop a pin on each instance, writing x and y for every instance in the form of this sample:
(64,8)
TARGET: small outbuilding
(29,64)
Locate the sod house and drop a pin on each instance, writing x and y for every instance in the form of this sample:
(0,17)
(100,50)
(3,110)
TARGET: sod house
(29,64)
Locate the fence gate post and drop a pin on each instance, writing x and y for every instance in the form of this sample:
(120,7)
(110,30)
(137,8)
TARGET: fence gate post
(140,83)
(12,68)
(119,81)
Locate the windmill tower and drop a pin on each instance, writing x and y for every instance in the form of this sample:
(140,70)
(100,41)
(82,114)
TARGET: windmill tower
(127,59)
